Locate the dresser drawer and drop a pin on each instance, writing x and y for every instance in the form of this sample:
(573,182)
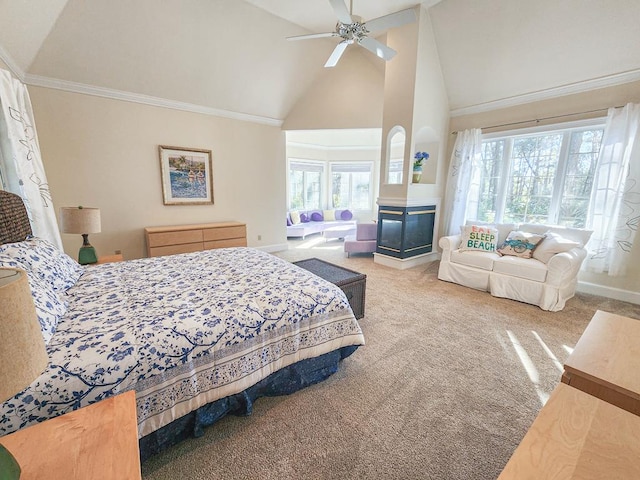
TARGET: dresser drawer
(222,233)
(173,249)
(174,238)
(230,242)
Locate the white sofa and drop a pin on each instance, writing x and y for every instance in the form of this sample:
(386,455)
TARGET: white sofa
(548,279)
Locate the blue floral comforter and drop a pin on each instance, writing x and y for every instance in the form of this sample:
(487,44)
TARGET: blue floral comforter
(183,331)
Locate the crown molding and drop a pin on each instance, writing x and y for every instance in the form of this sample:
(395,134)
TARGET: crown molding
(578,87)
(74,87)
(11,64)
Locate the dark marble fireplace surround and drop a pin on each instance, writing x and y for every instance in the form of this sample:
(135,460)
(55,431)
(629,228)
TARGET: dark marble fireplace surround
(405,232)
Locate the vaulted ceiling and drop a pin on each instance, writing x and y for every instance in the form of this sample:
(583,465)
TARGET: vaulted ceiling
(231,55)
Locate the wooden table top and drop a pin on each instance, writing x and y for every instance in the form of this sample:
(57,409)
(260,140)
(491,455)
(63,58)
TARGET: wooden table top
(98,442)
(608,353)
(578,436)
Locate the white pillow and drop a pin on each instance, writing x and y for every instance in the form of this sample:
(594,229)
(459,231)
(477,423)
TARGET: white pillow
(329,215)
(520,244)
(295,218)
(553,243)
(479,237)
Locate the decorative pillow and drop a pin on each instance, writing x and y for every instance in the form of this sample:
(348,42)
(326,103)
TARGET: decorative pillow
(479,237)
(289,221)
(346,215)
(295,217)
(304,218)
(329,215)
(45,261)
(316,217)
(553,243)
(520,244)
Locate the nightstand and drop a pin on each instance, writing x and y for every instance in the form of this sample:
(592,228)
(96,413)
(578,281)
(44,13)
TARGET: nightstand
(111,258)
(95,442)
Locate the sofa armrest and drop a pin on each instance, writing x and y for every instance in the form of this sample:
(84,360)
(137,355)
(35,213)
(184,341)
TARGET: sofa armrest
(563,267)
(451,242)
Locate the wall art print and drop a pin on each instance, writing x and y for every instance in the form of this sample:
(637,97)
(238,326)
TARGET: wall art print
(187,176)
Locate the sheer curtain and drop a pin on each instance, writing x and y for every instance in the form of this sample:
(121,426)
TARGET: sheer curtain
(462,179)
(614,210)
(21,168)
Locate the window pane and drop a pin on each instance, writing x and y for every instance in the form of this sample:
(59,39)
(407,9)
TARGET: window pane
(312,188)
(581,163)
(351,186)
(492,153)
(534,162)
(296,187)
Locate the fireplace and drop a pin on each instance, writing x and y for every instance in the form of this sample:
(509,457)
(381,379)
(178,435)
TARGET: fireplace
(405,232)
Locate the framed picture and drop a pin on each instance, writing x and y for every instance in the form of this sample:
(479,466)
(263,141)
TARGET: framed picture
(187,176)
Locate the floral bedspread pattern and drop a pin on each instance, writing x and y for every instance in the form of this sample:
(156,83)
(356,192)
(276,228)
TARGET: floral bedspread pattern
(183,331)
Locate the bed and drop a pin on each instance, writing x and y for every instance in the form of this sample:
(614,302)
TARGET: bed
(196,335)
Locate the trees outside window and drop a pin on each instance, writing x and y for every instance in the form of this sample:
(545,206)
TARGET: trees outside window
(544,177)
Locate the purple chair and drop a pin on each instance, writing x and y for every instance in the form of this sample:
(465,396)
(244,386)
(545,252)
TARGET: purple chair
(364,241)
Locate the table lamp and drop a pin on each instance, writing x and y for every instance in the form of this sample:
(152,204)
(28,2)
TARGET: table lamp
(84,221)
(23,356)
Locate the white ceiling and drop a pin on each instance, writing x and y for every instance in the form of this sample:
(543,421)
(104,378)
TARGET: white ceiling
(232,55)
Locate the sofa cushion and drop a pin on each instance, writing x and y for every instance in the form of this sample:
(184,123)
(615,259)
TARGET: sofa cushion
(474,258)
(478,237)
(316,217)
(295,217)
(520,244)
(304,218)
(553,243)
(329,215)
(528,268)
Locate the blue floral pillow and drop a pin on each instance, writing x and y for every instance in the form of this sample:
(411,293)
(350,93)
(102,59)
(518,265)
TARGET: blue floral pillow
(49,306)
(46,262)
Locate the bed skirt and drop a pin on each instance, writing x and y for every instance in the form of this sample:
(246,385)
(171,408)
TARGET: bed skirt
(283,382)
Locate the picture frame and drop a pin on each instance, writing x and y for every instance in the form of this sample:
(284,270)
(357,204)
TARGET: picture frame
(187,175)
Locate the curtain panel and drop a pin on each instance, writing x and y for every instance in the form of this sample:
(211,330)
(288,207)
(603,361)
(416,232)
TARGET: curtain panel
(21,168)
(614,209)
(463,178)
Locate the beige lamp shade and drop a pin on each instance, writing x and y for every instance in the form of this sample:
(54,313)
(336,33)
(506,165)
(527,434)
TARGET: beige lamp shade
(80,220)
(23,356)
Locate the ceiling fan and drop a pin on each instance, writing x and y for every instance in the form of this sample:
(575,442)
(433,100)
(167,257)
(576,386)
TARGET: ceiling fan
(352,30)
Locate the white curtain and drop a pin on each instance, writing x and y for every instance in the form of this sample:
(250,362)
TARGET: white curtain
(21,165)
(614,210)
(462,179)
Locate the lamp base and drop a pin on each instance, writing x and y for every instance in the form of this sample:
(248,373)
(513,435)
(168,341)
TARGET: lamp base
(87,255)
(9,468)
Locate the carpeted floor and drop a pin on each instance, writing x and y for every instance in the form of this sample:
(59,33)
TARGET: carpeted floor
(447,385)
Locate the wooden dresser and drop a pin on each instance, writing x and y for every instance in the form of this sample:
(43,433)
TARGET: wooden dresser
(194,238)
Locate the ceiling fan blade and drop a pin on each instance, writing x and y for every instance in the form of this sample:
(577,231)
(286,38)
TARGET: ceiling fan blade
(392,20)
(313,35)
(341,11)
(337,53)
(377,48)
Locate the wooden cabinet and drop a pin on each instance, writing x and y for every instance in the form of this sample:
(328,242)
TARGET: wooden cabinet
(580,437)
(98,442)
(194,238)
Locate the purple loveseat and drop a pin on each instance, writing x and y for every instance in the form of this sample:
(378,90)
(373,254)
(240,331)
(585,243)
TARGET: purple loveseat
(364,241)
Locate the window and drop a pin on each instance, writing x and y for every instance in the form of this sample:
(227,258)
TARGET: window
(351,185)
(305,185)
(543,177)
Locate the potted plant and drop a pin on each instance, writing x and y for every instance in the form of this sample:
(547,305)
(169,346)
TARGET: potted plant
(418,158)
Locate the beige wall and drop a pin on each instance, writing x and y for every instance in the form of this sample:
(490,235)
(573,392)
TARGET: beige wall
(104,153)
(582,102)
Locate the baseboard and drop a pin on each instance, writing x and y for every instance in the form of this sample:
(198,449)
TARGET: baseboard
(278,247)
(404,263)
(609,292)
